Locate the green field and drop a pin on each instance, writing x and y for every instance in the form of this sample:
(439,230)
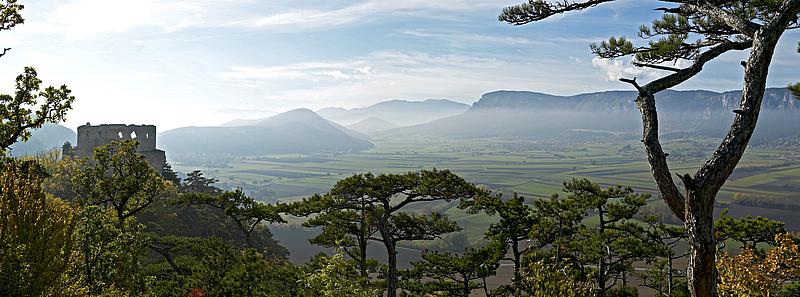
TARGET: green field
(535,169)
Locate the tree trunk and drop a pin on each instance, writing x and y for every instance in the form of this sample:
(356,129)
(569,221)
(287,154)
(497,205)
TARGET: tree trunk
(669,275)
(601,283)
(362,256)
(517,258)
(701,272)
(391,276)
(466,287)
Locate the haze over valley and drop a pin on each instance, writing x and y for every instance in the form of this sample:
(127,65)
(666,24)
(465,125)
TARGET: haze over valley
(482,148)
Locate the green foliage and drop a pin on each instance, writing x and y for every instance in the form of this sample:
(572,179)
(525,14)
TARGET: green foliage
(623,291)
(337,277)
(170,175)
(110,251)
(245,212)
(663,240)
(382,198)
(515,223)
(544,280)
(195,182)
(36,235)
(167,219)
(219,269)
(748,231)
(119,176)
(17,111)
(451,274)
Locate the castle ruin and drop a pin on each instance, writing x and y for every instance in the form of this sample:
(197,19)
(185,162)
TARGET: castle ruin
(90,137)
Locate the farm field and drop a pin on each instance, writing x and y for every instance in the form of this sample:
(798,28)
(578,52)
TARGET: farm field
(531,168)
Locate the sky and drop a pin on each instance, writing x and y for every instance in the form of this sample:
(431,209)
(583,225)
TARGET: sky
(177,63)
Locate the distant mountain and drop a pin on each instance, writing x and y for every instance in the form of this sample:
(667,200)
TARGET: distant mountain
(47,137)
(399,112)
(240,122)
(298,131)
(531,114)
(371,125)
(243,117)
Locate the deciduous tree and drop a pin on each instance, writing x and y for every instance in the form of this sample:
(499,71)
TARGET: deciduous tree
(37,244)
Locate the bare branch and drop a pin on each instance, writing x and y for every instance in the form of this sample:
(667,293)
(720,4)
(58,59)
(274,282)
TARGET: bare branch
(654,66)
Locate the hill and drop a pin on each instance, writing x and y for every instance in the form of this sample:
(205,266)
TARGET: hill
(371,125)
(47,137)
(300,131)
(531,114)
(399,112)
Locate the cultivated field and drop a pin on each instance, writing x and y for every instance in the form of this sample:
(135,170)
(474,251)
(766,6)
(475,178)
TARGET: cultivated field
(535,169)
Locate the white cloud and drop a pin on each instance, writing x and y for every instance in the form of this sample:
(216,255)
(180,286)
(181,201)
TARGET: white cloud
(363,11)
(391,75)
(82,19)
(619,68)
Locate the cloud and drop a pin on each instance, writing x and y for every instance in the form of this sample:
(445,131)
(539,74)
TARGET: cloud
(614,69)
(386,75)
(82,19)
(364,11)
(465,38)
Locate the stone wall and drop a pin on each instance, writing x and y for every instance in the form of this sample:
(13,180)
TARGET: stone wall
(90,137)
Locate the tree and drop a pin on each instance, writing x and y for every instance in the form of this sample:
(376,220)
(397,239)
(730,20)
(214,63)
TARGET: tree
(748,274)
(454,274)
(110,251)
(614,242)
(23,111)
(664,239)
(170,175)
(337,277)
(196,182)
(37,243)
(697,32)
(348,229)
(245,212)
(216,268)
(748,231)
(118,176)
(514,226)
(545,279)
(384,196)
(557,221)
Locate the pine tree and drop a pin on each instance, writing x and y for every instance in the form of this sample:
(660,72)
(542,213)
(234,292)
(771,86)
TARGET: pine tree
(697,32)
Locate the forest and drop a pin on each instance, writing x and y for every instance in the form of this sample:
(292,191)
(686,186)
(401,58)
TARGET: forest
(113,225)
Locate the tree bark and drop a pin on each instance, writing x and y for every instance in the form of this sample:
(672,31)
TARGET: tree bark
(391,256)
(362,256)
(701,272)
(517,258)
(391,276)
(466,287)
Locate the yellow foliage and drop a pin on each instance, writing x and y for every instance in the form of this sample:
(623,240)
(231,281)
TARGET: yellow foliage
(36,234)
(751,275)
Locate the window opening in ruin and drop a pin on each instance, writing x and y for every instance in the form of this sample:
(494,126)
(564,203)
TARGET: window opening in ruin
(133,135)
(147,135)
(119,134)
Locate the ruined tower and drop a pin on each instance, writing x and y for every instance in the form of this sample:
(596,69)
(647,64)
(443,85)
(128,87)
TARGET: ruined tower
(90,137)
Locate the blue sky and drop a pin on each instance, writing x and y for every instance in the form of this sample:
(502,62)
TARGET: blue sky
(201,62)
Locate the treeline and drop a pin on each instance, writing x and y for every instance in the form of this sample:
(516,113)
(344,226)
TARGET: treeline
(111,225)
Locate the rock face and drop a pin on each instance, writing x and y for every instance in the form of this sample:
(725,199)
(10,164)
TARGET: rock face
(91,137)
